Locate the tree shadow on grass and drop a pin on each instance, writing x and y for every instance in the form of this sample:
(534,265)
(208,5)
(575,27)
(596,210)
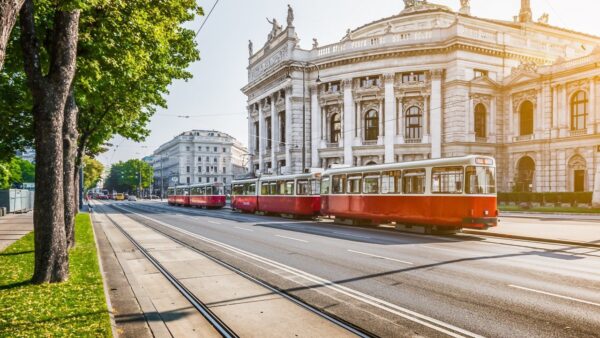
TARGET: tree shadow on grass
(15,253)
(15,285)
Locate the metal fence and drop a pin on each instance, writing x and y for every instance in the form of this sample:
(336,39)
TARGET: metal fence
(16,200)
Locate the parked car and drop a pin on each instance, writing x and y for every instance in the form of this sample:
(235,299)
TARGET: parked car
(102,197)
(132,198)
(119,197)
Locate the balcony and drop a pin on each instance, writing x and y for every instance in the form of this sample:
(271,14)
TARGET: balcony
(413,140)
(523,138)
(481,139)
(333,145)
(579,132)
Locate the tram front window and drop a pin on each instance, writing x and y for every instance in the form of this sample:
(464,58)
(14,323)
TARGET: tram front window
(481,180)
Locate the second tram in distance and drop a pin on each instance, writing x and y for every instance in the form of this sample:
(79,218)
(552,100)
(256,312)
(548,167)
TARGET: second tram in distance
(438,194)
(208,195)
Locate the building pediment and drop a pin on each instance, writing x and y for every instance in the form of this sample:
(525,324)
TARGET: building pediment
(521,76)
(484,81)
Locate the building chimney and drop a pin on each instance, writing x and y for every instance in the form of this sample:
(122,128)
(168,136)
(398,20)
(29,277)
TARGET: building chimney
(525,14)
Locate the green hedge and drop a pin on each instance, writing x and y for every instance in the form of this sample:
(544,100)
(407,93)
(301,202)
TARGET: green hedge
(545,197)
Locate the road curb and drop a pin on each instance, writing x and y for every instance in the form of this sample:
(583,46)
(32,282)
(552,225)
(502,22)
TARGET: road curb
(528,238)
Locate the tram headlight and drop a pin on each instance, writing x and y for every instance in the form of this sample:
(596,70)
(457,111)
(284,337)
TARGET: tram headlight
(486,213)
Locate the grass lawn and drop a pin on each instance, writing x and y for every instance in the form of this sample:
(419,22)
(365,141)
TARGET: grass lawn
(75,308)
(568,210)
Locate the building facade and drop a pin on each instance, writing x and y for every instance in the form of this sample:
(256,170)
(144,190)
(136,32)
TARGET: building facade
(430,82)
(198,156)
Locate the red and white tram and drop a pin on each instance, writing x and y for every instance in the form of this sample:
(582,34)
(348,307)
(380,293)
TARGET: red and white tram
(439,194)
(179,195)
(208,195)
(294,195)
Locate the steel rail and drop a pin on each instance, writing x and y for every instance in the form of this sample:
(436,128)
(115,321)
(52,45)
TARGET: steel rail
(215,321)
(333,319)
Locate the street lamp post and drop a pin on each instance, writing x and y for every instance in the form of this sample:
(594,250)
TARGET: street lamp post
(304,66)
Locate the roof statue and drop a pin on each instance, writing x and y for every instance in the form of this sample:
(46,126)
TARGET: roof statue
(275,30)
(348,35)
(465,7)
(250,47)
(290,16)
(544,18)
(315,43)
(388,28)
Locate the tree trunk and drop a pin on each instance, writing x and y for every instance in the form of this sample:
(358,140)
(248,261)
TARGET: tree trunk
(49,93)
(70,136)
(8,17)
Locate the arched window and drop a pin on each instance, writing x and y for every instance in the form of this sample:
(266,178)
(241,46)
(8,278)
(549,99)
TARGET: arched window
(480,120)
(371,125)
(526,118)
(413,123)
(282,128)
(577,172)
(269,132)
(579,103)
(335,128)
(525,174)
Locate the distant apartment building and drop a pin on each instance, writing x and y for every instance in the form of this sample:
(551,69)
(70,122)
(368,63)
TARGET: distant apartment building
(27,154)
(198,156)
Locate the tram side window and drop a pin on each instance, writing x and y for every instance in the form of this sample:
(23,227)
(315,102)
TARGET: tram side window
(448,180)
(480,180)
(413,181)
(371,184)
(337,184)
(390,182)
(252,189)
(220,191)
(325,185)
(208,191)
(280,187)
(238,189)
(315,186)
(354,182)
(264,189)
(289,187)
(303,187)
(273,188)
(170,192)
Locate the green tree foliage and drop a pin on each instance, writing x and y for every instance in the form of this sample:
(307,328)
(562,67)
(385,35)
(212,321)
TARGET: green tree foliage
(16,171)
(92,172)
(129,52)
(125,176)
(4,177)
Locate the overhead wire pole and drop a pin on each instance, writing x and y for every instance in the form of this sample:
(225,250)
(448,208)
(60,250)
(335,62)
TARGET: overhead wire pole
(205,20)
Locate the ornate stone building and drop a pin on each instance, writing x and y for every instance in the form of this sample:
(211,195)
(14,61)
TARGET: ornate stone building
(427,83)
(198,156)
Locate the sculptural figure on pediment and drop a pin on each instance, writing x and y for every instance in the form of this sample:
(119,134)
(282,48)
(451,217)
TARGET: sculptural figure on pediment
(290,16)
(275,30)
(409,3)
(315,43)
(388,28)
(250,47)
(348,35)
(544,18)
(465,7)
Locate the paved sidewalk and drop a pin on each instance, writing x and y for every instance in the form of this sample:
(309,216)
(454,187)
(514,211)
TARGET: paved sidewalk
(13,227)
(568,229)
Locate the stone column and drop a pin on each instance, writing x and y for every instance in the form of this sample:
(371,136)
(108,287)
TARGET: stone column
(390,117)
(348,121)
(511,120)
(554,130)
(288,129)
(470,120)
(538,122)
(563,111)
(399,111)
(436,114)
(592,110)
(250,141)
(261,137)
(595,108)
(426,115)
(315,128)
(274,138)
(381,121)
(492,124)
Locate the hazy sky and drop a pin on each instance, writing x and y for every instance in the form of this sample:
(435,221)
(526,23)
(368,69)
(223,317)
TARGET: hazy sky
(223,43)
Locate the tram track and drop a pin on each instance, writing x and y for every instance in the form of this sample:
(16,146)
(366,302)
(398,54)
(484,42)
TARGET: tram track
(214,320)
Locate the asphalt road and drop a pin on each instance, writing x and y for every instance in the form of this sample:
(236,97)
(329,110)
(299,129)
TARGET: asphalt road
(397,284)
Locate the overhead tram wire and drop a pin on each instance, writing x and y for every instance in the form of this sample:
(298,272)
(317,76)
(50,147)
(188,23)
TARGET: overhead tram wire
(205,20)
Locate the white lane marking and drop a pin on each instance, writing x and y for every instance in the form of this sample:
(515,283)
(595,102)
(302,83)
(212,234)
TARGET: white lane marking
(213,222)
(350,235)
(244,229)
(436,248)
(413,316)
(292,238)
(555,295)
(382,257)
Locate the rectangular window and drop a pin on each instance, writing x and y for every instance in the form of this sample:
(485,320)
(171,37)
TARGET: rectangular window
(325,184)
(215,149)
(237,189)
(187,148)
(207,169)
(199,158)
(280,187)
(199,169)
(187,180)
(207,159)
(224,170)
(371,184)
(480,73)
(303,187)
(338,183)
(447,180)
(413,77)
(390,182)
(315,187)
(480,180)
(207,148)
(207,179)
(264,189)
(413,181)
(289,187)
(187,169)
(273,188)
(354,182)
(199,148)
(224,179)
(224,150)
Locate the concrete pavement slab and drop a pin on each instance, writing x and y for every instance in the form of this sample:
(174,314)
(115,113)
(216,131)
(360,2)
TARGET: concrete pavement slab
(13,227)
